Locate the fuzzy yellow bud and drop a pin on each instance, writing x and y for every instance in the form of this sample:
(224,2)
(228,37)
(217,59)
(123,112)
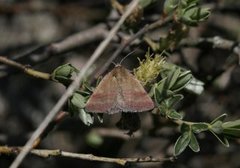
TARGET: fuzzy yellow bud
(149,68)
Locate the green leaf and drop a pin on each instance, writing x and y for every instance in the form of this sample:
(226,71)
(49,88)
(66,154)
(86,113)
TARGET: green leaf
(232,124)
(182,81)
(232,132)
(196,86)
(172,101)
(85,117)
(217,127)
(181,143)
(159,91)
(172,77)
(63,74)
(194,143)
(221,139)
(76,107)
(162,109)
(152,90)
(199,127)
(65,70)
(86,86)
(78,100)
(185,128)
(170,6)
(220,118)
(191,14)
(174,115)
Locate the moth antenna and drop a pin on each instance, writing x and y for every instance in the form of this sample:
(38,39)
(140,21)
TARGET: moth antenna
(114,63)
(127,56)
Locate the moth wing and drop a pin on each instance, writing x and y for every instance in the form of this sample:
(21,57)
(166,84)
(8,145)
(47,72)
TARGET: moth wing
(134,97)
(104,96)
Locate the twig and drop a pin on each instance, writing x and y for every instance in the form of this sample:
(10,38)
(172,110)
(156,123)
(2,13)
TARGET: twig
(42,53)
(215,42)
(44,153)
(25,69)
(142,31)
(75,84)
(58,119)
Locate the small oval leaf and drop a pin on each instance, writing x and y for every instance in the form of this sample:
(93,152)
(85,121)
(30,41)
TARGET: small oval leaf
(217,127)
(78,100)
(174,115)
(199,127)
(172,101)
(181,143)
(85,117)
(193,144)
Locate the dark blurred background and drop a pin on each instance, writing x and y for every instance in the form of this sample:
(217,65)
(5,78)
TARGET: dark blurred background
(25,101)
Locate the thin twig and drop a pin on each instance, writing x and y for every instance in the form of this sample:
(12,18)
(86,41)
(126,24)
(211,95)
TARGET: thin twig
(42,53)
(75,84)
(215,42)
(57,120)
(45,153)
(25,69)
(142,31)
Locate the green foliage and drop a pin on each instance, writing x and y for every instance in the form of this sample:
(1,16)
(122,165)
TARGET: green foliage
(76,106)
(63,74)
(166,90)
(166,96)
(182,143)
(193,144)
(231,129)
(220,129)
(186,11)
(199,127)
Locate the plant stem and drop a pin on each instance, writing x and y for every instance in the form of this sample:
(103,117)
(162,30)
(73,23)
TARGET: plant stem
(25,69)
(45,153)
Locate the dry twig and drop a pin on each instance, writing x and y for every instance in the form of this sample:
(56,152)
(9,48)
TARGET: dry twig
(215,42)
(25,69)
(58,153)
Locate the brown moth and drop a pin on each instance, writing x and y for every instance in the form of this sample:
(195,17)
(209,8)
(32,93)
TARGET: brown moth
(119,91)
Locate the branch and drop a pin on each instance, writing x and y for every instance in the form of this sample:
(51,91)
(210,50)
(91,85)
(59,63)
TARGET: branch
(215,42)
(75,84)
(58,119)
(45,153)
(45,52)
(25,69)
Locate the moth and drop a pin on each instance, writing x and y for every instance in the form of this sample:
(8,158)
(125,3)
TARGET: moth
(119,91)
